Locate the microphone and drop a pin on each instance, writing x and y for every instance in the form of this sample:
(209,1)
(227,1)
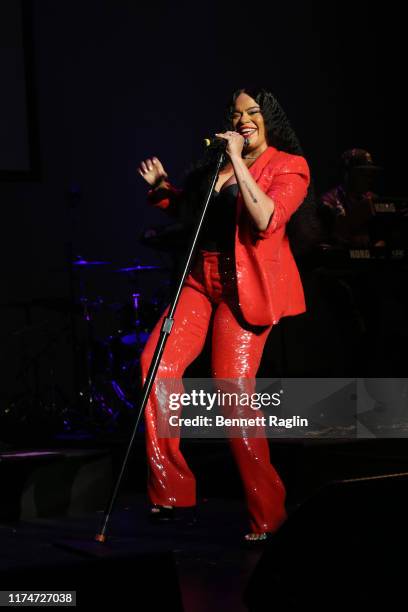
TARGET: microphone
(220,143)
(217,142)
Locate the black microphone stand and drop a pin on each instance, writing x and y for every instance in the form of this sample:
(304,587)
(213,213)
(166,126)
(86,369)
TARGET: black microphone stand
(161,343)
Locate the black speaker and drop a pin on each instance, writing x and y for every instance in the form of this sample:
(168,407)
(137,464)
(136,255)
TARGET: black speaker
(345,545)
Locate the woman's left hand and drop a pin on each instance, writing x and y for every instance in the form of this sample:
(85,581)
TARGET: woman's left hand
(235,143)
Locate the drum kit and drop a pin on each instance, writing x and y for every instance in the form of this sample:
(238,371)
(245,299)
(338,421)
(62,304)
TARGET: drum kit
(110,392)
(105,366)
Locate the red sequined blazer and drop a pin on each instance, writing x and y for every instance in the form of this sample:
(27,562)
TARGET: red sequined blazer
(269,284)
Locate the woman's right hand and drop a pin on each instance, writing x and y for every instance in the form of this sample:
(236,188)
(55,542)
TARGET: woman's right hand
(152,172)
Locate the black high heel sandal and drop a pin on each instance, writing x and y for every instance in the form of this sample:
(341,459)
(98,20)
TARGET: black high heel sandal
(158,513)
(253,539)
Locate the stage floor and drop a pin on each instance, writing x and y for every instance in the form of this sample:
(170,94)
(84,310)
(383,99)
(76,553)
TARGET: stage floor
(212,563)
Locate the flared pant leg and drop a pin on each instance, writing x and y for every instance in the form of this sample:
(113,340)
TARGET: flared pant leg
(170,480)
(236,355)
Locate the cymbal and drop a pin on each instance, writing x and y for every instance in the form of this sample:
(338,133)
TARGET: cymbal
(84,262)
(140,268)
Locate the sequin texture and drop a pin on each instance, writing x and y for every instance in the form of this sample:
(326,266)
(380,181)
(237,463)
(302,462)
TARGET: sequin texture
(237,349)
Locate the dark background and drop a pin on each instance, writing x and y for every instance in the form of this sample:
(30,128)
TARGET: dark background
(113,82)
(14,131)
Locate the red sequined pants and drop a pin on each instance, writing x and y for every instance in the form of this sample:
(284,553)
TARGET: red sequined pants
(236,354)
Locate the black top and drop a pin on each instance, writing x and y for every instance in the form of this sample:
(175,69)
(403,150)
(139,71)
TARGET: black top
(218,231)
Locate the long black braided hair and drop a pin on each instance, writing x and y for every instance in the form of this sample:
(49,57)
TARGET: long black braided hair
(304,228)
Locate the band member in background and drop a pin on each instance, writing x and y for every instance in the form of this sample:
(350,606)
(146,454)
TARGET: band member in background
(348,208)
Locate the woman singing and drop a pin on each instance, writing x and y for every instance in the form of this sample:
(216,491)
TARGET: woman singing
(246,276)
